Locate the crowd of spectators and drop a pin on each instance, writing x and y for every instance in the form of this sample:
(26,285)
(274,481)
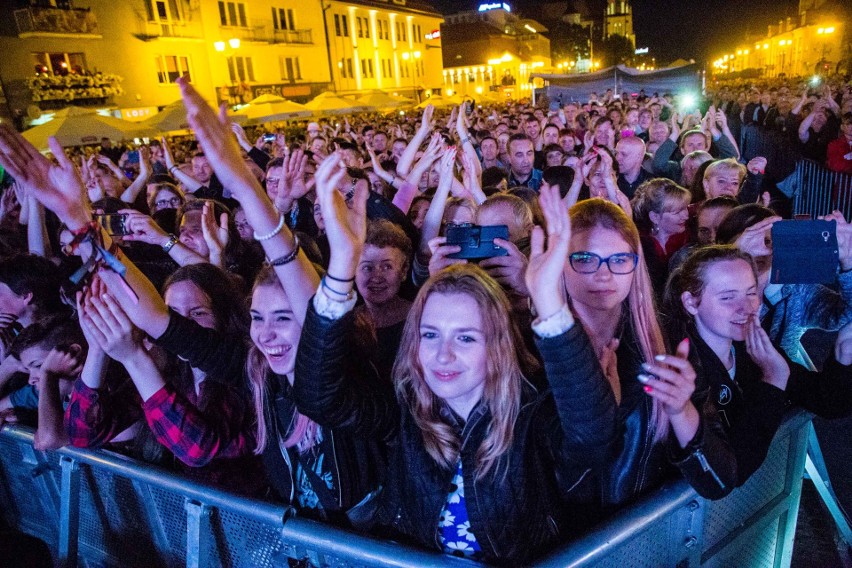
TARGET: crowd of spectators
(278,311)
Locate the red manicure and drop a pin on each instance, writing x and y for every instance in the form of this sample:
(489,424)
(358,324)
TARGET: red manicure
(648,389)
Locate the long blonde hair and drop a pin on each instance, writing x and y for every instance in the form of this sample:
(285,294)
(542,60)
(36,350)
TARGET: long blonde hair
(591,213)
(302,429)
(504,378)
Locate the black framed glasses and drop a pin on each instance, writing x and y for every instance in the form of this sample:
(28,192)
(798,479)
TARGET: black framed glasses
(169,202)
(586,262)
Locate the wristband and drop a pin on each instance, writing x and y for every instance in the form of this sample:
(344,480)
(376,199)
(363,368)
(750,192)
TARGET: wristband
(289,257)
(274,232)
(341,280)
(170,244)
(173,168)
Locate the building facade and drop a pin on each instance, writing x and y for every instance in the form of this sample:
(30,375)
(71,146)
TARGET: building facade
(392,46)
(491,50)
(129,54)
(816,41)
(618,20)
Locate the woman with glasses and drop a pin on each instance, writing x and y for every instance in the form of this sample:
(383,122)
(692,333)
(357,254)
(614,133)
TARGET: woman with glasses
(164,196)
(660,210)
(610,294)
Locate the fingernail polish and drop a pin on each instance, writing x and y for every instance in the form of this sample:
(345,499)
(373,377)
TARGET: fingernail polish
(646,366)
(643,378)
(660,357)
(647,389)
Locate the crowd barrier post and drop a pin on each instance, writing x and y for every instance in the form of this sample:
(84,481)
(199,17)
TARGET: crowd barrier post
(100,508)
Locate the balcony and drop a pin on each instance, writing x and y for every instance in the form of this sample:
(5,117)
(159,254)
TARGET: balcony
(260,31)
(292,36)
(173,30)
(56,22)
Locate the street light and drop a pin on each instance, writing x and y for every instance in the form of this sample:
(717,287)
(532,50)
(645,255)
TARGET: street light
(234,44)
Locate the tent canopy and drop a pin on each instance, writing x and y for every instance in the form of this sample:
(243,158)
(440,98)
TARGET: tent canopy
(271,108)
(75,126)
(578,87)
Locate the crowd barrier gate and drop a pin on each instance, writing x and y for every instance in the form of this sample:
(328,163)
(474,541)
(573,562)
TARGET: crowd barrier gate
(819,191)
(98,508)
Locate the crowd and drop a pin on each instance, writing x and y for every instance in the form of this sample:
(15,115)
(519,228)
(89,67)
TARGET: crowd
(288,319)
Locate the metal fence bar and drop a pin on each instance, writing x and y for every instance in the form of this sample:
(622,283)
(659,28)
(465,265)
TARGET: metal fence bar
(69,512)
(202,527)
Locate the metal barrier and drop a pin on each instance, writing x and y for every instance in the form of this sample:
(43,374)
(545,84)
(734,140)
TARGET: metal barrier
(819,191)
(100,508)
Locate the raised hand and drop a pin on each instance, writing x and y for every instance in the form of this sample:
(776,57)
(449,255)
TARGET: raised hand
(110,327)
(756,240)
(167,154)
(56,186)
(142,228)
(844,239)
(426,119)
(510,270)
(61,362)
(544,270)
(756,165)
(345,227)
(843,345)
(216,236)
(670,379)
(291,184)
(214,137)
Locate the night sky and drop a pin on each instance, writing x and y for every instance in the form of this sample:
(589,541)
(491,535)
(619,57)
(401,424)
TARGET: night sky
(679,28)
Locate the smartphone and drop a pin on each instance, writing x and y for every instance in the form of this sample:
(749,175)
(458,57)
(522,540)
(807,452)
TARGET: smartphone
(133,157)
(477,241)
(114,224)
(269,138)
(804,252)
(468,107)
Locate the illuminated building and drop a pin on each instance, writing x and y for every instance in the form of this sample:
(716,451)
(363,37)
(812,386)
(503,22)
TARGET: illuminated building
(811,42)
(618,20)
(492,50)
(393,46)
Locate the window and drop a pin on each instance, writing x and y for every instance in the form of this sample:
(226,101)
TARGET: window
(400,31)
(337,25)
(415,31)
(232,14)
(366,27)
(59,63)
(367,69)
(163,11)
(344,25)
(387,69)
(170,67)
(360,28)
(349,67)
(341,65)
(291,70)
(363,27)
(282,19)
(240,69)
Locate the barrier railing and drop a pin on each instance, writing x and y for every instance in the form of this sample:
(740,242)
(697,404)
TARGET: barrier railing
(102,508)
(820,191)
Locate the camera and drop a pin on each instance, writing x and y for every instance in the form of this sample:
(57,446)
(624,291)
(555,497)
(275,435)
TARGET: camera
(477,241)
(114,224)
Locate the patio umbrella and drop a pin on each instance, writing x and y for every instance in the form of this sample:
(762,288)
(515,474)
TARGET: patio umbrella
(75,126)
(439,101)
(271,108)
(173,117)
(384,101)
(329,103)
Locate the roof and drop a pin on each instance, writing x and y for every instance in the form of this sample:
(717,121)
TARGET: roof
(409,6)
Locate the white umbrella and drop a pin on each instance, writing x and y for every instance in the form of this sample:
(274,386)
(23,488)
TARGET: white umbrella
(272,108)
(75,126)
(173,117)
(329,103)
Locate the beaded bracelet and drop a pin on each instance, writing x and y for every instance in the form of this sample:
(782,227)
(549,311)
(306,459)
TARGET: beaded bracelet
(341,280)
(289,257)
(346,296)
(274,232)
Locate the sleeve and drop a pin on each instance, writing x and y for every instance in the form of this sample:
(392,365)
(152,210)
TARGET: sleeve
(24,397)
(405,195)
(707,462)
(827,394)
(725,148)
(197,437)
(751,434)
(332,386)
(259,157)
(205,349)
(751,188)
(584,401)
(825,308)
(96,416)
(662,165)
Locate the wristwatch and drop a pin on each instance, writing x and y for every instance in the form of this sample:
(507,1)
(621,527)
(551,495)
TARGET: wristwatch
(170,243)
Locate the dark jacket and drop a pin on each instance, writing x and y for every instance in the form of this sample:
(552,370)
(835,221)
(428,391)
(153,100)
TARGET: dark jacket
(640,463)
(518,508)
(356,461)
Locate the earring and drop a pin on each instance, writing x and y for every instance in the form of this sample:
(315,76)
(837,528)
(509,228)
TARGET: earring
(655,229)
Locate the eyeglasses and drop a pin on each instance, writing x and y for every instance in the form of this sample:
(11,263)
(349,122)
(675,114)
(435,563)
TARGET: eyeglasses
(170,202)
(588,262)
(273,181)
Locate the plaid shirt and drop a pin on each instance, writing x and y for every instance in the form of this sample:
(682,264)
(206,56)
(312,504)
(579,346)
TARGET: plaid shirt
(222,430)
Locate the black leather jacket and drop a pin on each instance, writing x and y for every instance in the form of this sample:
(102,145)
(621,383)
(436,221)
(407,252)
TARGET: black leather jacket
(518,509)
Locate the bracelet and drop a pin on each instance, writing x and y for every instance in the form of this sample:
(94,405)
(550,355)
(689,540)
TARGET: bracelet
(274,232)
(390,183)
(173,168)
(170,244)
(341,280)
(289,257)
(465,140)
(345,296)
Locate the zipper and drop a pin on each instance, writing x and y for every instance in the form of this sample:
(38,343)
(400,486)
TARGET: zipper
(705,465)
(337,469)
(286,456)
